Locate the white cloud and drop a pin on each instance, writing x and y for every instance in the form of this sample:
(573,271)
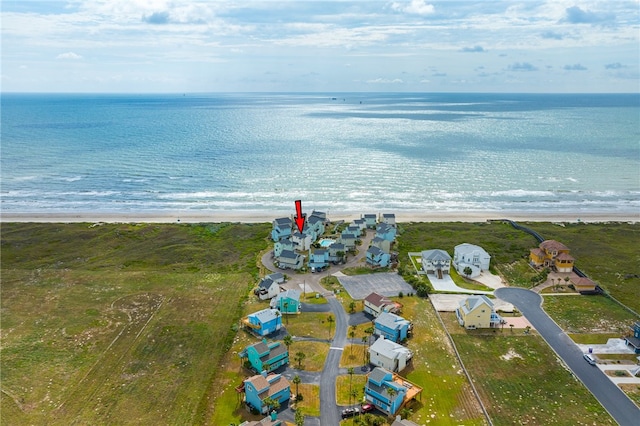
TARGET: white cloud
(416,7)
(385,81)
(69,55)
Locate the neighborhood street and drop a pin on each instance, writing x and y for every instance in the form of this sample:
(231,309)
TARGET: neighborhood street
(621,408)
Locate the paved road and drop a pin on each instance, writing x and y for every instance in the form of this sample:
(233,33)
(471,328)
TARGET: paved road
(621,408)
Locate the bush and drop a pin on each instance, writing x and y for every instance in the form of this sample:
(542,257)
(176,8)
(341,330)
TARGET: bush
(299,397)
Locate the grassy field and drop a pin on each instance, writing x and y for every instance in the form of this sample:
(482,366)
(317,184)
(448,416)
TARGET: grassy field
(124,324)
(588,314)
(344,383)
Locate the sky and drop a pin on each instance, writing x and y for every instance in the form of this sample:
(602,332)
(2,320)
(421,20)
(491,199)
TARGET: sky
(161,46)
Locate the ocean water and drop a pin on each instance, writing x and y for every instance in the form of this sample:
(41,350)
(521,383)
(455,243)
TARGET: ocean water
(352,152)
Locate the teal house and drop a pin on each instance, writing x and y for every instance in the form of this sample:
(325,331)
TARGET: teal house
(265,356)
(287,302)
(386,232)
(263,322)
(263,386)
(376,258)
(319,258)
(377,387)
(393,327)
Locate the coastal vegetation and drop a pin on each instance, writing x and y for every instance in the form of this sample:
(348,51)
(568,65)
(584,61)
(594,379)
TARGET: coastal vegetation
(128,323)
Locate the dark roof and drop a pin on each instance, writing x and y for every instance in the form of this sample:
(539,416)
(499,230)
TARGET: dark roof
(374,250)
(266,283)
(260,347)
(283,221)
(274,352)
(288,254)
(378,300)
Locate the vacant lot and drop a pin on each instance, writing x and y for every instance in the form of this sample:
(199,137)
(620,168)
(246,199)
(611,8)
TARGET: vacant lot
(121,324)
(589,314)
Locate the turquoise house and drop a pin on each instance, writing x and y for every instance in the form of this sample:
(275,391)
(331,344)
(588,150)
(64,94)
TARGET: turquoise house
(386,232)
(370,219)
(376,391)
(263,386)
(281,228)
(377,258)
(287,302)
(283,244)
(266,356)
(264,322)
(319,258)
(393,327)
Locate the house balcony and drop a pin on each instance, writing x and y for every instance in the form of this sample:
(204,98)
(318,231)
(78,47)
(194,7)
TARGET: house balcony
(245,321)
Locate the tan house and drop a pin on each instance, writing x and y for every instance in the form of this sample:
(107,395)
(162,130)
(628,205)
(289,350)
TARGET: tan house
(552,254)
(477,312)
(583,285)
(375,304)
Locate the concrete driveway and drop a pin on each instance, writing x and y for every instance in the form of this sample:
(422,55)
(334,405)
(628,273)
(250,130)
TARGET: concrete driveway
(446,284)
(621,408)
(451,302)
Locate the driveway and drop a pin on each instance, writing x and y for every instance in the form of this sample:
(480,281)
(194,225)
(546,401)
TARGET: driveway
(621,408)
(446,284)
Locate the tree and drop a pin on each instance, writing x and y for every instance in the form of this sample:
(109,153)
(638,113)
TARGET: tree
(364,353)
(350,372)
(300,356)
(296,381)
(467,271)
(288,341)
(286,306)
(553,283)
(352,334)
(352,306)
(340,255)
(369,331)
(391,392)
(272,404)
(299,418)
(566,280)
(511,325)
(406,412)
(353,393)
(330,320)
(278,317)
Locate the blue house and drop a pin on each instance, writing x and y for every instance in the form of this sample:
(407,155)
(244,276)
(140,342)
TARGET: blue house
(283,244)
(393,327)
(316,224)
(386,232)
(289,259)
(370,220)
(353,229)
(376,390)
(287,302)
(349,240)
(263,386)
(281,228)
(377,258)
(337,251)
(265,356)
(319,258)
(264,322)
(634,340)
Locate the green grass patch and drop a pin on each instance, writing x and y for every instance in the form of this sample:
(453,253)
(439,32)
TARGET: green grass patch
(353,356)
(343,386)
(518,273)
(310,324)
(363,270)
(310,404)
(316,354)
(466,283)
(314,299)
(521,381)
(593,339)
(588,314)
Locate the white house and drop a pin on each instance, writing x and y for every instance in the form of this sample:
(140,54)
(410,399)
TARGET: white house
(267,288)
(470,256)
(302,241)
(436,262)
(388,218)
(390,355)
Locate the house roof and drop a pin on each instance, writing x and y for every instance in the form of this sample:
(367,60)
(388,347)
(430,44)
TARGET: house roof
(265,315)
(321,215)
(274,352)
(403,422)
(583,282)
(388,348)
(465,248)
(277,382)
(359,221)
(374,250)
(370,216)
(259,382)
(378,300)
(290,294)
(265,283)
(276,276)
(314,219)
(260,347)
(283,221)
(473,302)
(378,375)
(347,236)
(337,246)
(289,254)
(320,252)
(553,245)
(436,254)
(391,321)
(537,252)
(564,256)
(383,228)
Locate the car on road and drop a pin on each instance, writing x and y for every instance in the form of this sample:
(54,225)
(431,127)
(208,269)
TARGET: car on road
(591,360)
(365,408)
(350,412)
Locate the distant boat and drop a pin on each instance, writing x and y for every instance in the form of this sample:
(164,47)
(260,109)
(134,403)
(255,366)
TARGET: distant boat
(333,99)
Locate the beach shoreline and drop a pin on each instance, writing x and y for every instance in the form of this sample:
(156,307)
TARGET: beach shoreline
(247,216)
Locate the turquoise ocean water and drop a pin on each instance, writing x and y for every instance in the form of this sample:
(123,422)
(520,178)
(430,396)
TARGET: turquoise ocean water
(336,152)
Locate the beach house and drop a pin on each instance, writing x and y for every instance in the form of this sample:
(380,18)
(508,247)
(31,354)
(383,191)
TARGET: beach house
(375,304)
(393,327)
(290,260)
(389,219)
(302,240)
(376,258)
(287,302)
(353,229)
(283,244)
(316,225)
(370,219)
(552,254)
(269,286)
(265,356)
(319,258)
(389,355)
(437,262)
(470,256)
(382,244)
(349,240)
(360,223)
(263,386)
(281,228)
(386,232)
(337,251)
(263,322)
(477,312)
(389,392)
(634,339)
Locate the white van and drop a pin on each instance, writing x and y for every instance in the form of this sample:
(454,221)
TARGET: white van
(591,360)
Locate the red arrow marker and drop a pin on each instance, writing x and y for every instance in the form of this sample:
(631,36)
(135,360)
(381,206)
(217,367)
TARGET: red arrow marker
(299,216)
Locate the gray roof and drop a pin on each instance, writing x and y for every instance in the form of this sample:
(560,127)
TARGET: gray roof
(388,348)
(377,374)
(383,227)
(390,320)
(265,315)
(276,276)
(274,352)
(389,215)
(474,302)
(291,294)
(436,254)
(314,219)
(374,250)
(347,236)
(283,221)
(337,246)
(266,283)
(288,254)
(260,347)
(370,216)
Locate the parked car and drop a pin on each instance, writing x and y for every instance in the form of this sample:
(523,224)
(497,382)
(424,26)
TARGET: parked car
(591,360)
(365,408)
(350,412)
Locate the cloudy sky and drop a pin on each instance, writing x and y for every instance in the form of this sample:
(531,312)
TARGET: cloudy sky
(326,46)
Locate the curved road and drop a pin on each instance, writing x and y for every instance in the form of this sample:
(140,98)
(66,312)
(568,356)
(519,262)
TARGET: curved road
(621,408)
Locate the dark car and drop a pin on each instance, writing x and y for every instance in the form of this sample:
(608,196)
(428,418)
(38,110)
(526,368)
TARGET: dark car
(365,408)
(350,412)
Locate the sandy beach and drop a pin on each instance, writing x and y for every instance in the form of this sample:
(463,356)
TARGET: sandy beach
(268,216)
